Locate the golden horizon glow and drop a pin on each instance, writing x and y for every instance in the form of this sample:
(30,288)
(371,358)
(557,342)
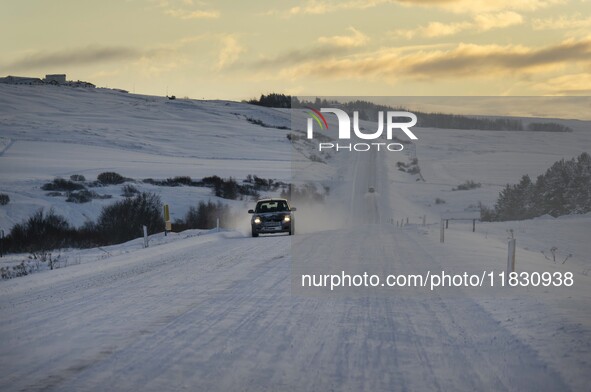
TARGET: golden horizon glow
(239,50)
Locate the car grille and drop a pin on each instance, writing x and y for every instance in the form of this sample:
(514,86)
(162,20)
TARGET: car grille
(271,219)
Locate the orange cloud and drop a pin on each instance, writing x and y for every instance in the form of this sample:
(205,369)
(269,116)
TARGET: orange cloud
(319,7)
(462,61)
(562,22)
(356,39)
(480,6)
(479,23)
(574,84)
(188,14)
(230,51)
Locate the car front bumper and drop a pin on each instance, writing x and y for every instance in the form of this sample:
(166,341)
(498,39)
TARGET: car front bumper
(267,228)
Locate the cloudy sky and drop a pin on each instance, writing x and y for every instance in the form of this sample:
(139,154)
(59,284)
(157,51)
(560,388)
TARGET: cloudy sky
(240,49)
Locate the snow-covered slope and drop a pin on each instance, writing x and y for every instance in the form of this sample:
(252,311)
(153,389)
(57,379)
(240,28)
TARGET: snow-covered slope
(49,131)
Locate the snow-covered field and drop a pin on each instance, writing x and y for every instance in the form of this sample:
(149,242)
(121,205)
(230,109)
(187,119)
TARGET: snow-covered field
(202,310)
(56,132)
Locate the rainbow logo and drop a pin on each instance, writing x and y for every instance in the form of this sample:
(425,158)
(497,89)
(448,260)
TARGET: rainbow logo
(316,115)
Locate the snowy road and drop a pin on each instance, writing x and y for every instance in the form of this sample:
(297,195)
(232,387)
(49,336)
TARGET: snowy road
(217,313)
(219,316)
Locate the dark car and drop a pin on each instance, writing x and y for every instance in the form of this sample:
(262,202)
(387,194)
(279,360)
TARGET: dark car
(272,216)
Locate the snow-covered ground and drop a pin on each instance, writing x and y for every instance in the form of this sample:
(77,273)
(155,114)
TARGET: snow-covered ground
(48,132)
(203,310)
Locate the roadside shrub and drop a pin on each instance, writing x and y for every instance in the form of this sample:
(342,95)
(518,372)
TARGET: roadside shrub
(119,222)
(87,236)
(77,178)
(123,220)
(110,178)
(4,199)
(25,268)
(205,216)
(61,185)
(439,201)
(40,232)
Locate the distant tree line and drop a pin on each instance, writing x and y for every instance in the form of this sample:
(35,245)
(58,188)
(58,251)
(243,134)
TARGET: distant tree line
(369,111)
(564,189)
(273,100)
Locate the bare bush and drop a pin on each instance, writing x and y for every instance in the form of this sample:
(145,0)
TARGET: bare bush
(123,220)
(129,190)
(59,184)
(110,178)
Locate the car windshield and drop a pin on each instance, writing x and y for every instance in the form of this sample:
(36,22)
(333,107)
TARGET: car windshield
(272,206)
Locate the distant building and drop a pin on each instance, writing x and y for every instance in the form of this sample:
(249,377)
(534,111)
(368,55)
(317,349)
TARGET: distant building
(21,80)
(55,79)
(79,83)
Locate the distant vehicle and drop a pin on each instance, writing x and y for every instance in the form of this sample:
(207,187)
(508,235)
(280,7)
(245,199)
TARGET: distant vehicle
(371,189)
(272,216)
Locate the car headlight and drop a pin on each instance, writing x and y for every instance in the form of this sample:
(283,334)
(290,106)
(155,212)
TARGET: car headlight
(287,218)
(257,220)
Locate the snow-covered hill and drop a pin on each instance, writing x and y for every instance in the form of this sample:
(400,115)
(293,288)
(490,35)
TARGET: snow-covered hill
(49,131)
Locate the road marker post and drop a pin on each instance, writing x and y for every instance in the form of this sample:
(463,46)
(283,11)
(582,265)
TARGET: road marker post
(511,255)
(441,232)
(167,223)
(145,236)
